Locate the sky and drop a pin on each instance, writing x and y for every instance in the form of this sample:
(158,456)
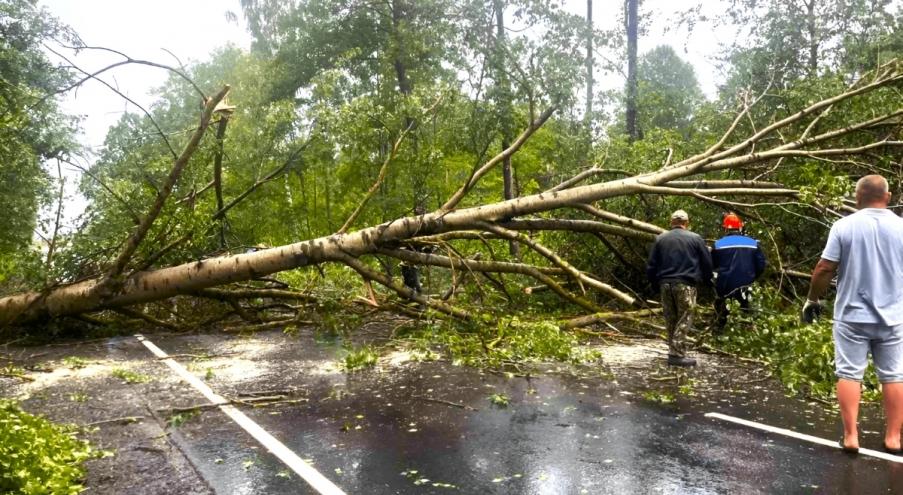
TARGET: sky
(189,29)
(181,31)
(192,29)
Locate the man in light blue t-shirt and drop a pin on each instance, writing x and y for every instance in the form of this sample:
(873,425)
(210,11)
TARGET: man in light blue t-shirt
(865,251)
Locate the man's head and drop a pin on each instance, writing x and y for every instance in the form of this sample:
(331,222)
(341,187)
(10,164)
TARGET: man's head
(680,219)
(872,192)
(732,222)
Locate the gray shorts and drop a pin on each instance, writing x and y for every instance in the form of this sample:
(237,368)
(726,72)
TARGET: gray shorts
(852,343)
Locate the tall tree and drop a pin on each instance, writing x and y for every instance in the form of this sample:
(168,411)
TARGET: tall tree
(669,93)
(631,20)
(504,106)
(781,41)
(32,127)
(588,116)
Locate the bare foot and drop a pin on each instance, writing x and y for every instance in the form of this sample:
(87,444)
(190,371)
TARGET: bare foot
(852,442)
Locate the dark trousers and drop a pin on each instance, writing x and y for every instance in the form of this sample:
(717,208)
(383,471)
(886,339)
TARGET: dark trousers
(741,295)
(411,277)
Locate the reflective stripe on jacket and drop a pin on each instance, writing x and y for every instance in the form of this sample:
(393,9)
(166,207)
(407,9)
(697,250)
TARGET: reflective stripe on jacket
(738,261)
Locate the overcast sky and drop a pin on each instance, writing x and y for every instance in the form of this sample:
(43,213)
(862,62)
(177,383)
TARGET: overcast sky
(192,29)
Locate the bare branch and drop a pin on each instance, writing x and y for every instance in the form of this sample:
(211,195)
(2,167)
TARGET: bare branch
(140,232)
(480,172)
(383,170)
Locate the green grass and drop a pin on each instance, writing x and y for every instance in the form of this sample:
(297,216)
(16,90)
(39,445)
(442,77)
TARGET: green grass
(178,419)
(75,362)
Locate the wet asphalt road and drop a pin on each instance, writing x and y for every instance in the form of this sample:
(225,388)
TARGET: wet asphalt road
(394,432)
(627,425)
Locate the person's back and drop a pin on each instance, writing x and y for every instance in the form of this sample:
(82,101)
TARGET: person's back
(678,262)
(868,245)
(679,255)
(738,261)
(865,251)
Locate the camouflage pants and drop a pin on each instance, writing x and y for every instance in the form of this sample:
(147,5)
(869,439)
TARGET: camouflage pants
(678,301)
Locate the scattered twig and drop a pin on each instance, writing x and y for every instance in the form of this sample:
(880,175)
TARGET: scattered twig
(446,402)
(17,375)
(663,378)
(124,420)
(819,400)
(199,356)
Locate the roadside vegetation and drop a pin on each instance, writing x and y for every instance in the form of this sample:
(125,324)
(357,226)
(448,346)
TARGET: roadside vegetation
(39,457)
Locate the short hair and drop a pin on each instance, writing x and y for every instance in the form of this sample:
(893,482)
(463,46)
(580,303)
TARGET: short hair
(872,188)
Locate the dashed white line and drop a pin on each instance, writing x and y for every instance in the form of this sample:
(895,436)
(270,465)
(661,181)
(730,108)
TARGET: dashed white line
(802,436)
(313,477)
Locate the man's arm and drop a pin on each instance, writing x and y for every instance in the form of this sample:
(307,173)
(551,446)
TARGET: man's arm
(705,262)
(821,278)
(760,261)
(652,266)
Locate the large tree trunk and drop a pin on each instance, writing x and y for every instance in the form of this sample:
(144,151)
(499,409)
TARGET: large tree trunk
(813,37)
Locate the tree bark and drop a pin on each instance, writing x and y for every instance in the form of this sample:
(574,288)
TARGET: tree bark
(218,177)
(505,110)
(588,116)
(813,37)
(630,113)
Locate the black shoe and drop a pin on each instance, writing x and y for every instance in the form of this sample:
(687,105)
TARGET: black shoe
(681,361)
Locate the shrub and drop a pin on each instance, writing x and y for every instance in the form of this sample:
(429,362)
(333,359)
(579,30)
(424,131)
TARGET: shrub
(801,356)
(39,457)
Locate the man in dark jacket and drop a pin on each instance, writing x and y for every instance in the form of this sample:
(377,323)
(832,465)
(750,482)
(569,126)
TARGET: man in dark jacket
(738,262)
(679,262)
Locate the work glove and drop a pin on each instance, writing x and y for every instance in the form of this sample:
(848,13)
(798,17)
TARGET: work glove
(811,311)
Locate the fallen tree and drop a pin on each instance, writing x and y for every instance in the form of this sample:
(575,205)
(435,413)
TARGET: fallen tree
(785,138)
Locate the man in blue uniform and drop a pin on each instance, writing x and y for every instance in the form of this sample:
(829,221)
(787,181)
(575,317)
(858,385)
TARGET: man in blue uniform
(679,261)
(738,262)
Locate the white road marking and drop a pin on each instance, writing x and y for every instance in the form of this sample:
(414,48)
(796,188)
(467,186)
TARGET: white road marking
(802,436)
(303,469)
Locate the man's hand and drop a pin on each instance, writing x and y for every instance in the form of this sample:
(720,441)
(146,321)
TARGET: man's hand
(811,311)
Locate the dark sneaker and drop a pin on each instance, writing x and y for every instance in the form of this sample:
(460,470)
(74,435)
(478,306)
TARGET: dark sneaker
(681,361)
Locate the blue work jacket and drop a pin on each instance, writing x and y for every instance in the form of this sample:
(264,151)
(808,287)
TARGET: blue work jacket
(738,261)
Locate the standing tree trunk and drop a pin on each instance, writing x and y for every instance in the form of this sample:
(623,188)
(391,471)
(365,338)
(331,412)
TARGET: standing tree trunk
(503,89)
(218,176)
(632,24)
(588,116)
(813,40)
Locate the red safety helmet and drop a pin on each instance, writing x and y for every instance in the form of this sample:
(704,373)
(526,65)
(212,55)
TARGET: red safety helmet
(732,222)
